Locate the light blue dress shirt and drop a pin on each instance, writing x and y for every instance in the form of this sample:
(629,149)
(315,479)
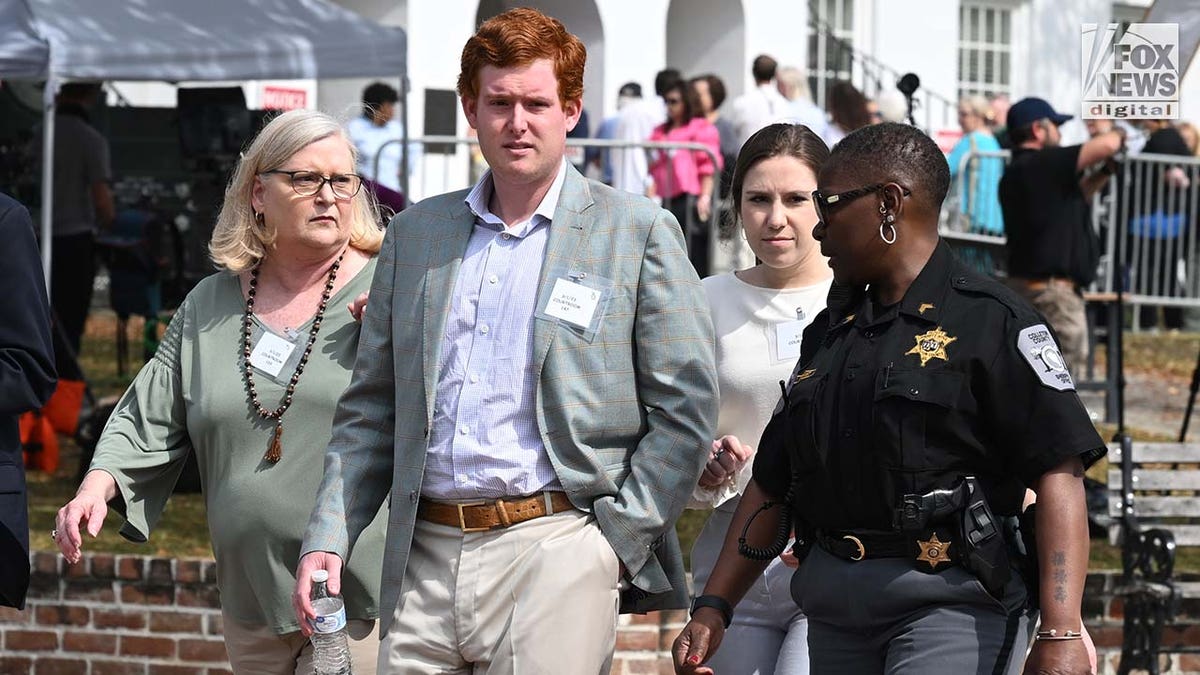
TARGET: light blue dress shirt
(484,442)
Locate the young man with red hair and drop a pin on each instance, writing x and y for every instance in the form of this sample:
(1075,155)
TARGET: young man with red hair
(533,394)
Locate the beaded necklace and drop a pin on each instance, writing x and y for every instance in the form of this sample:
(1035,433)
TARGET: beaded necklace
(275,449)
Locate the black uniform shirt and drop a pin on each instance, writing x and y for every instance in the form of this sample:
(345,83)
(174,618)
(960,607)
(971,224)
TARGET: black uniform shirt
(1046,218)
(961,377)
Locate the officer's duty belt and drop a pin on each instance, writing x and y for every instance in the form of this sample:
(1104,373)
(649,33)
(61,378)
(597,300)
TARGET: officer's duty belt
(858,545)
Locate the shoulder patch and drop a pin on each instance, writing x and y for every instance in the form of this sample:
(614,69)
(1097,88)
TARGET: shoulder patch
(1039,349)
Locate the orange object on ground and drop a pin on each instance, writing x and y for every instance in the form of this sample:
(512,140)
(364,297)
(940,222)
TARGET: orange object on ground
(63,407)
(39,442)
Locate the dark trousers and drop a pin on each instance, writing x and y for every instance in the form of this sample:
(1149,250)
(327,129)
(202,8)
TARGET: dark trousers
(883,617)
(695,232)
(72,273)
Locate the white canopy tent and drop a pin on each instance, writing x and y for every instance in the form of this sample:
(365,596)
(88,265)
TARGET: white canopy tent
(185,40)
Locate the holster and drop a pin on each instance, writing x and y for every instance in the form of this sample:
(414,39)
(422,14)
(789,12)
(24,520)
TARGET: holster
(964,508)
(986,551)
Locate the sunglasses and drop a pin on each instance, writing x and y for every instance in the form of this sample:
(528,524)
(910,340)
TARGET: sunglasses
(823,202)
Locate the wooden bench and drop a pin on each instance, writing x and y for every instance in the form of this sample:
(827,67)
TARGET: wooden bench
(1155,506)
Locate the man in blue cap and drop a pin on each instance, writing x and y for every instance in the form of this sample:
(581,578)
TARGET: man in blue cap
(1053,250)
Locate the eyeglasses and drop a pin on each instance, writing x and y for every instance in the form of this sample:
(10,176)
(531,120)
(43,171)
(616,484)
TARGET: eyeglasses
(823,202)
(673,101)
(309,183)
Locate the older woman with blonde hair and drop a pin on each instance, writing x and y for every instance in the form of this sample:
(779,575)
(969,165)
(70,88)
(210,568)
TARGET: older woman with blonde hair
(247,377)
(976,180)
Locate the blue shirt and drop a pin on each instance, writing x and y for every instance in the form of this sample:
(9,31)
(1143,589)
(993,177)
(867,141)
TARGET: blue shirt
(484,442)
(979,186)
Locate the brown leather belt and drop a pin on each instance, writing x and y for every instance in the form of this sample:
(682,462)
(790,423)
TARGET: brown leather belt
(1043,284)
(484,515)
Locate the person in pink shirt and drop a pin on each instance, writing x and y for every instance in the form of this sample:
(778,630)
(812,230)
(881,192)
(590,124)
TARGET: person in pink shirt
(683,179)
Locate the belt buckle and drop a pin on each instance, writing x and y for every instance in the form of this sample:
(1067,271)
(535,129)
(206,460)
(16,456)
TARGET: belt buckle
(862,550)
(462,521)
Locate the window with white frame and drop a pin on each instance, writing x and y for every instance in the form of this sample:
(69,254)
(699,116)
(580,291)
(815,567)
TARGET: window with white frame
(830,45)
(985,49)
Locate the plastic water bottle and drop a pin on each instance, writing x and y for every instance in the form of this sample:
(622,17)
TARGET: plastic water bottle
(331,653)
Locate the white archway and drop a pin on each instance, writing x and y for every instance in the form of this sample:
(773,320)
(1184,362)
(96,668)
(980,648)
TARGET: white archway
(709,36)
(581,18)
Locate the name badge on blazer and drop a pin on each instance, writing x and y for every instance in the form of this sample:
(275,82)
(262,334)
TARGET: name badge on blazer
(576,300)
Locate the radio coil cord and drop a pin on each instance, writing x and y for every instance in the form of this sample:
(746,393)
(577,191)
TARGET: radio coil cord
(784,533)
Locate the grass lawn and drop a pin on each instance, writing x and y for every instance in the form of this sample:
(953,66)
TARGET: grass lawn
(184,532)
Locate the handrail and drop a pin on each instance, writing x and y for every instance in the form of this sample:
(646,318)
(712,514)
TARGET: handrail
(868,61)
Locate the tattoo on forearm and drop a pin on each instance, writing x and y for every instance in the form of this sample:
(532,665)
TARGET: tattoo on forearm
(1059,563)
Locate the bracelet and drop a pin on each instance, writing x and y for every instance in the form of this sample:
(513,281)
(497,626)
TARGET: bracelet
(715,602)
(1052,635)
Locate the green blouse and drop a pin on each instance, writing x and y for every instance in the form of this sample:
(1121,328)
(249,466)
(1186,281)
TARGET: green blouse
(192,396)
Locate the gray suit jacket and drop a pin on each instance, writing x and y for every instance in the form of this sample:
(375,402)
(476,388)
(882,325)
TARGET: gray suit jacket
(626,418)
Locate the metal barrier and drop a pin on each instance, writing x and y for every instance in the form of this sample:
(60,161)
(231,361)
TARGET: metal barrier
(1146,218)
(451,163)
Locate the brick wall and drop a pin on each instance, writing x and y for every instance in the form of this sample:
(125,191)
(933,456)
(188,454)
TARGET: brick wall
(159,616)
(112,615)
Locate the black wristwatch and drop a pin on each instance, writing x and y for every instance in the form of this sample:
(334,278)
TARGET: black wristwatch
(716,602)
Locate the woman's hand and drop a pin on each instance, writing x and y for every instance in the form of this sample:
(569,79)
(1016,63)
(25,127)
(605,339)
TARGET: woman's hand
(358,306)
(90,506)
(729,456)
(699,640)
(704,207)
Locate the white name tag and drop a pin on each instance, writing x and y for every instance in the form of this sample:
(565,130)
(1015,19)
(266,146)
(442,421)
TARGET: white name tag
(573,303)
(787,340)
(271,353)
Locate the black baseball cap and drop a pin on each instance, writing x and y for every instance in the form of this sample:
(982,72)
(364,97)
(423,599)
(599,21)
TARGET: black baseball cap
(1029,110)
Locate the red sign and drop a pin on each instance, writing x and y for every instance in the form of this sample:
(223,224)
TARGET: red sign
(947,138)
(283,98)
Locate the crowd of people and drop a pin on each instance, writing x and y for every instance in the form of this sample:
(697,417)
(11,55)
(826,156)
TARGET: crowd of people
(694,110)
(505,399)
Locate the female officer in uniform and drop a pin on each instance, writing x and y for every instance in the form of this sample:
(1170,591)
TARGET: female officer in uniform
(926,399)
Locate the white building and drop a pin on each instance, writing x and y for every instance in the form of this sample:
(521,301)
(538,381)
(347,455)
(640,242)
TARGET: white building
(1018,47)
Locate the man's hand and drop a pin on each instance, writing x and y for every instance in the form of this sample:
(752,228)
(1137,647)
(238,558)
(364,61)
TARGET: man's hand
(699,640)
(316,560)
(728,457)
(1058,657)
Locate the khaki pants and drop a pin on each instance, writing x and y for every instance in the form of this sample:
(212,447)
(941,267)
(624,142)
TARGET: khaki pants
(258,650)
(538,597)
(1066,312)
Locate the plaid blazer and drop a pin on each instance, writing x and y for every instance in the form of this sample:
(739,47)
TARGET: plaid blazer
(627,417)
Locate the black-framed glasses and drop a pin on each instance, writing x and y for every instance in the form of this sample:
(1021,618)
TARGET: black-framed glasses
(823,202)
(309,183)
(673,101)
